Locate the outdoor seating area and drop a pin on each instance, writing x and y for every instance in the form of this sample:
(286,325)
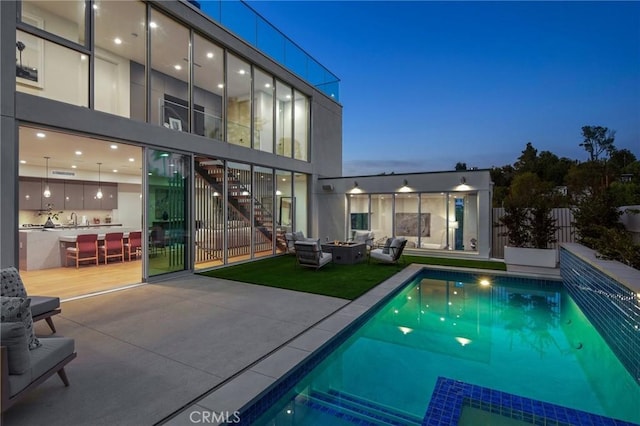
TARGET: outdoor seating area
(391,252)
(27,360)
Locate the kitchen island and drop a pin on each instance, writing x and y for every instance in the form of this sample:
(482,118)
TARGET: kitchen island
(40,248)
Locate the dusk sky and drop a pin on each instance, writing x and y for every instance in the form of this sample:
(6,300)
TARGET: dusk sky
(425,85)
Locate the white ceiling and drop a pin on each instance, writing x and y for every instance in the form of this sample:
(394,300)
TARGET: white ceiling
(62,148)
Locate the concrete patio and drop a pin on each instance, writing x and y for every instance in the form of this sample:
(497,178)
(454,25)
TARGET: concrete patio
(145,353)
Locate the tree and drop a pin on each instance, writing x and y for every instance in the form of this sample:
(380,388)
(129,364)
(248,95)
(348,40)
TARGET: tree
(528,160)
(597,140)
(461,166)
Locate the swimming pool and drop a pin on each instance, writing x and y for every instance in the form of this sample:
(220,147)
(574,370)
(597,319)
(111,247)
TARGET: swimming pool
(448,347)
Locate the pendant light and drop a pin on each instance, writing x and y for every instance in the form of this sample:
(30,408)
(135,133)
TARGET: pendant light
(47,192)
(99,194)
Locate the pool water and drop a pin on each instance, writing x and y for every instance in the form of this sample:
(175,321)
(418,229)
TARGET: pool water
(517,336)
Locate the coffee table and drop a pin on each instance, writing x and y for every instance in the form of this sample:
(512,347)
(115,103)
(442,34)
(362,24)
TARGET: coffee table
(346,253)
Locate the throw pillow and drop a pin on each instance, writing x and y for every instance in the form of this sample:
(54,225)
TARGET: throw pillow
(17,309)
(11,284)
(14,338)
(387,245)
(298,236)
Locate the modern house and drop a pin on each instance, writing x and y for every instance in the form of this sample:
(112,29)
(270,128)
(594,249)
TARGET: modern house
(207,130)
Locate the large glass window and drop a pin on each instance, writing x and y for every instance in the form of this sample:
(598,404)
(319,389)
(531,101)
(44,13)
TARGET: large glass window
(301,202)
(120,58)
(238,101)
(262,194)
(408,223)
(209,212)
(169,72)
(168,183)
(433,207)
(208,88)
(284,117)
(301,127)
(239,217)
(358,213)
(49,70)
(382,216)
(263,111)
(62,18)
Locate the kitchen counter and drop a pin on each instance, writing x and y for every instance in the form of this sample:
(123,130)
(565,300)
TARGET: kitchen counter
(60,227)
(40,249)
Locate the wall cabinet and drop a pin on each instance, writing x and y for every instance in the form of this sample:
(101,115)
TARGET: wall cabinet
(73,196)
(67,195)
(30,195)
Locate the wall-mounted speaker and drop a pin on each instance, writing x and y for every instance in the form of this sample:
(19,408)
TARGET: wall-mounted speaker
(327,187)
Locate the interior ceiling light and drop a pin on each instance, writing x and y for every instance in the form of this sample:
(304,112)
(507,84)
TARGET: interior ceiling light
(131,160)
(78,152)
(114,146)
(40,135)
(99,193)
(23,162)
(153,25)
(177,67)
(209,55)
(117,40)
(220,86)
(47,192)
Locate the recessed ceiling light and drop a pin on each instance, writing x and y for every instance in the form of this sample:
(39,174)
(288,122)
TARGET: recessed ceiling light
(117,40)
(78,152)
(131,160)
(242,72)
(40,135)
(220,86)
(23,162)
(115,170)
(114,146)
(288,96)
(83,57)
(178,67)
(209,55)
(267,85)
(73,166)
(153,24)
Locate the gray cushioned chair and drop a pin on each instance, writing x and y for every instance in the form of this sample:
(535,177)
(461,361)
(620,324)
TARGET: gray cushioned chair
(42,307)
(391,254)
(310,254)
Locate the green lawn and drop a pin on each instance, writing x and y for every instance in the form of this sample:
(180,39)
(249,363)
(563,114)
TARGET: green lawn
(343,281)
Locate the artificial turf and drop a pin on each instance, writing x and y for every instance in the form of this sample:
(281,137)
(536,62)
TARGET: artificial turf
(343,281)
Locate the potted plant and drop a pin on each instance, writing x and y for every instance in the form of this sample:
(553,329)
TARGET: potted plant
(51,215)
(530,227)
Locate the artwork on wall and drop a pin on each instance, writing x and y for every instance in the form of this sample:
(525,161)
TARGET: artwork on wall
(408,224)
(30,55)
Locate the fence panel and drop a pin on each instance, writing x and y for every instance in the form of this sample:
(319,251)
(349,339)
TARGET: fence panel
(564,234)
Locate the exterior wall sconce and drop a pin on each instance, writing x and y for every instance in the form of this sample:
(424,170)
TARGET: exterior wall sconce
(47,192)
(355,184)
(405,183)
(463,180)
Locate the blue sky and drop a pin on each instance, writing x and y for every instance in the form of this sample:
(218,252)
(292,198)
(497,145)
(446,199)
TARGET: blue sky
(425,85)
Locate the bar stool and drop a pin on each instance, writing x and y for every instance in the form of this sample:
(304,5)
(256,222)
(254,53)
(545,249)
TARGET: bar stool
(86,248)
(113,246)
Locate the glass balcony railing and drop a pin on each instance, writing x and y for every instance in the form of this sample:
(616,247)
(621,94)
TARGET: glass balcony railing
(245,22)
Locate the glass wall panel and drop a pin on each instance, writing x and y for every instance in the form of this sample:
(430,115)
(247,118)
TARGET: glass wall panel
(300,202)
(301,126)
(208,88)
(209,212)
(239,217)
(382,216)
(263,111)
(49,70)
(238,101)
(284,119)
(469,220)
(263,211)
(433,208)
(62,18)
(120,58)
(408,223)
(358,213)
(284,207)
(168,183)
(169,73)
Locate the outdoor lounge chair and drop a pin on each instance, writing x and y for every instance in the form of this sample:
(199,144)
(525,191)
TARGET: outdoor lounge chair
(291,238)
(42,307)
(309,254)
(365,237)
(390,254)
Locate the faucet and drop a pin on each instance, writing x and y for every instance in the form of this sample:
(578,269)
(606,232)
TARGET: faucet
(74,216)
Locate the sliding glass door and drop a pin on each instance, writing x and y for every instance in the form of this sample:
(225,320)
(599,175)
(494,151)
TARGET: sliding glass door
(168,181)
